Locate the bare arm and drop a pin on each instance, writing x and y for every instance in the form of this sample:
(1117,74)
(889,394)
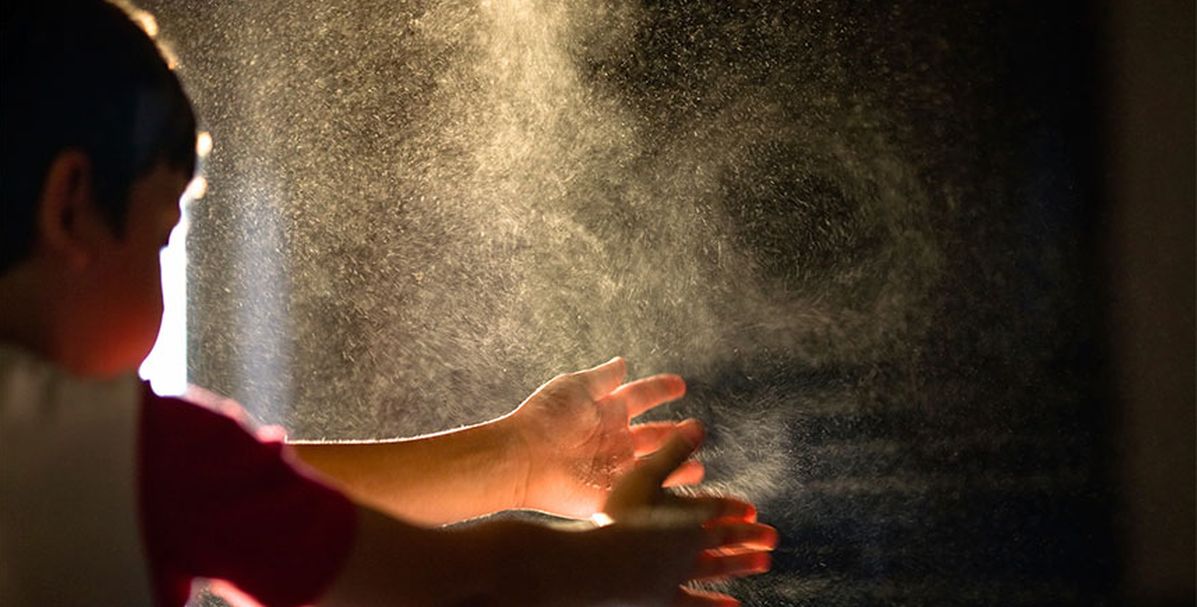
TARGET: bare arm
(492,564)
(560,451)
(512,563)
(436,479)
(393,563)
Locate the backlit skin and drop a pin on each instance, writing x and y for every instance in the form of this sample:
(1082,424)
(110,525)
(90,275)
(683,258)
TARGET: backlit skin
(85,297)
(88,298)
(560,452)
(128,311)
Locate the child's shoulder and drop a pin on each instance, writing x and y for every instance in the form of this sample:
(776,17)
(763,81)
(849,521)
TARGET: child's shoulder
(218,493)
(203,415)
(208,437)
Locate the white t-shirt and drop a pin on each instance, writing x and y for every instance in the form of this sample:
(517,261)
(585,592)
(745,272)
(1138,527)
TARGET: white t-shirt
(69,525)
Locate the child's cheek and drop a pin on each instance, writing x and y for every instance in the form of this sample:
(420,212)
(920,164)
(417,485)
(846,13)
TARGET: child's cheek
(139,307)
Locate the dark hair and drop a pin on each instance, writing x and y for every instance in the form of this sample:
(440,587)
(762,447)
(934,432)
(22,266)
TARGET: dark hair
(81,74)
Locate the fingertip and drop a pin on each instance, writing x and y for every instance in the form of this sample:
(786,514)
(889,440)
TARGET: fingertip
(610,366)
(713,566)
(604,378)
(692,430)
(773,538)
(690,472)
(682,443)
(735,538)
(617,360)
(677,385)
(621,368)
(763,562)
(738,509)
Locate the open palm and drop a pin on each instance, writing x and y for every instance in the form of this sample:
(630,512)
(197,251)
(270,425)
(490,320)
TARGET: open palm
(579,439)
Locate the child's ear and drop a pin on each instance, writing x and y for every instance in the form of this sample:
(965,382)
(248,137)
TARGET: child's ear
(67,213)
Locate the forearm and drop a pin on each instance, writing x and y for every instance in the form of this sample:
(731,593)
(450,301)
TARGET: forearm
(493,564)
(520,564)
(432,480)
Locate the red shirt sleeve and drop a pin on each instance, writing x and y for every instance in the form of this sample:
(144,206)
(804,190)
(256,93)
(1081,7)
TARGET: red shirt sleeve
(218,503)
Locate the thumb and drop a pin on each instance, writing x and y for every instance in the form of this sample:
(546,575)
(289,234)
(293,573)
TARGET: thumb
(601,380)
(680,446)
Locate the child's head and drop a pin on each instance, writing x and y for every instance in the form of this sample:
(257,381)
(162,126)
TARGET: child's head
(97,141)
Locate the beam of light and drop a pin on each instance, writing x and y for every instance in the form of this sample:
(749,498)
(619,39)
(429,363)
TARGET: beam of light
(166,366)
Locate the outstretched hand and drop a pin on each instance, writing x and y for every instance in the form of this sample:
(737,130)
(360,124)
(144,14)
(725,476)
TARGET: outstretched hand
(578,438)
(718,537)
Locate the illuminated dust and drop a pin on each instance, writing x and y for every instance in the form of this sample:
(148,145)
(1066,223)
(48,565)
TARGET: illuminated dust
(836,222)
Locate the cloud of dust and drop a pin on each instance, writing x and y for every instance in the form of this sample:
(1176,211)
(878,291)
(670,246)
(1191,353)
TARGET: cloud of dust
(444,208)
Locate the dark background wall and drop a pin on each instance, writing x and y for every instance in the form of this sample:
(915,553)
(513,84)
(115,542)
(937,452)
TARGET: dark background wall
(1149,230)
(915,260)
